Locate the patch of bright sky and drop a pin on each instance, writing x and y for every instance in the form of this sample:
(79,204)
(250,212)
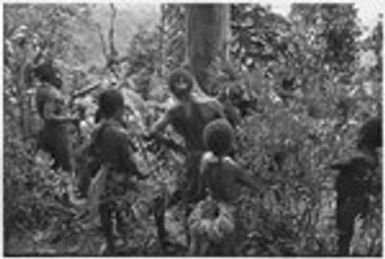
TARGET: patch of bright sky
(368,11)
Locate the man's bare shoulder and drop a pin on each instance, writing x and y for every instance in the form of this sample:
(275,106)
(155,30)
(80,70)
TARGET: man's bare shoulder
(208,100)
(112,130)
(45,91)
(175,111)
(210,103)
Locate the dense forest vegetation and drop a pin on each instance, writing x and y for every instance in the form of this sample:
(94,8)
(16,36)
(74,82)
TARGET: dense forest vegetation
(299,87)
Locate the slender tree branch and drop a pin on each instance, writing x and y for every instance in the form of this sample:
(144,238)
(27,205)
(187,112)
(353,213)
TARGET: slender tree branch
(113,51)
(102,41)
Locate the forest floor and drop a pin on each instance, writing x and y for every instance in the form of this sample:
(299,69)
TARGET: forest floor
(141,240)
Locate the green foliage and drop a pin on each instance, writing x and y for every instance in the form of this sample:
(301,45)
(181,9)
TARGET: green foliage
(32,190)
(55,24)
(145,62)
(331,29)
(285,141)
(377,41)
(258,34)
(290,151)
(174,33)
(315,37)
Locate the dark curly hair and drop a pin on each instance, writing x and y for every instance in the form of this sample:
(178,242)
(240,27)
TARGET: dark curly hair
(370,135)
(218,136)
(110,101)
(47,72)
(174,79)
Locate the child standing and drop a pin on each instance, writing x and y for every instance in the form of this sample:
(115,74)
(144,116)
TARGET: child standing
(212,222)
(113,150)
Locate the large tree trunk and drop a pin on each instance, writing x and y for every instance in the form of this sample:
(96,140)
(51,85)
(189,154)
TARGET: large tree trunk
(208,32)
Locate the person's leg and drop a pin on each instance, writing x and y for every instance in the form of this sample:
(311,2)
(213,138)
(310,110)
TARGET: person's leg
(40,141)
(84,183)
(345,234)
(159,211)
(193,192)
(44,141)
(107,226)
(63,154)
(161,203)
(347,212)
(86,173)
(57,142)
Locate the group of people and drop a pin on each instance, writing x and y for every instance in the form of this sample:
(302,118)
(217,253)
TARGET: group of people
(210,171)
(211,174)
(207,189)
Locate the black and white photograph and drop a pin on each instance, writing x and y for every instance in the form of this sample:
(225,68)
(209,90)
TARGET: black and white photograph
(152,128)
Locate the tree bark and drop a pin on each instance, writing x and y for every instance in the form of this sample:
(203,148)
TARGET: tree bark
(208,32)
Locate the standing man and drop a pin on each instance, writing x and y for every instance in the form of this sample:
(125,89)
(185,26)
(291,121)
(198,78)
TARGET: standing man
(188,117)
(53,137)
(112,150)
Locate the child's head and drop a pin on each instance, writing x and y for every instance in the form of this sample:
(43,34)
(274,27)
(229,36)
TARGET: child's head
(218,136)
(47,72)
(180,83)
(370,137)
(111,104)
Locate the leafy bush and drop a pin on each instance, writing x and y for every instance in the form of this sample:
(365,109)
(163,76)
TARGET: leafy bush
(32,190)
(286,141)
(290,151)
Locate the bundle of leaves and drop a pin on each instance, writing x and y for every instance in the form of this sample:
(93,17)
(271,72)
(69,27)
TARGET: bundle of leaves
(211,220)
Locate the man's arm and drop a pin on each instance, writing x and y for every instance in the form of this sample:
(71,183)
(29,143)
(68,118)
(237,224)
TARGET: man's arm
(49,115)
(218,107)
(126,152)
(232,114)
(161,125)
(245,179)
(94,162)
